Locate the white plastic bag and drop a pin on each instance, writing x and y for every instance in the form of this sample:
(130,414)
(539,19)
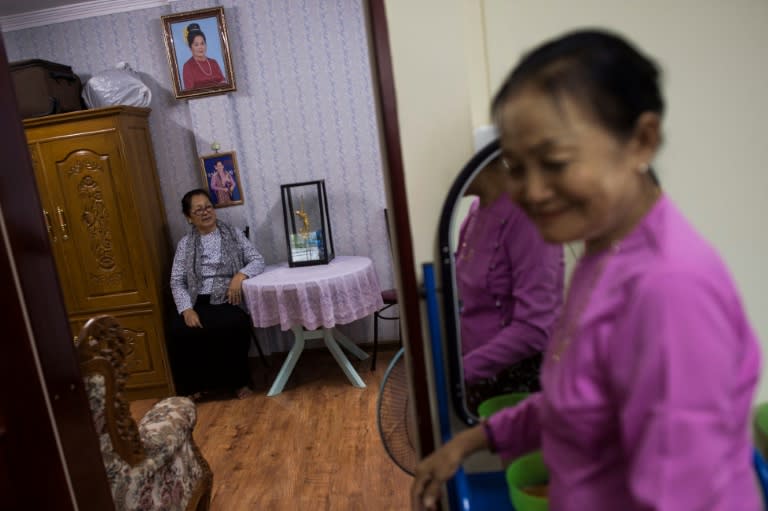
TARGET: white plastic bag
(118,86)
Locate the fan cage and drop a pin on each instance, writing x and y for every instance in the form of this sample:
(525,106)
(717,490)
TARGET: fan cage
(395,420)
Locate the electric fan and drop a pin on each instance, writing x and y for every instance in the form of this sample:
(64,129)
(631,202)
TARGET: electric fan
(397,425)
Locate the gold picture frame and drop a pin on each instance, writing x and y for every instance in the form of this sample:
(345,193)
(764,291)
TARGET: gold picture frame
(222,179)
(197,47)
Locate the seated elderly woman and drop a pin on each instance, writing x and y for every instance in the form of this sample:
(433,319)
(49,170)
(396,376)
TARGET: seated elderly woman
(210,337)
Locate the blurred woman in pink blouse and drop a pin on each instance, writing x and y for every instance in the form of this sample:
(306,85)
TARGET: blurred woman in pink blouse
(648,379)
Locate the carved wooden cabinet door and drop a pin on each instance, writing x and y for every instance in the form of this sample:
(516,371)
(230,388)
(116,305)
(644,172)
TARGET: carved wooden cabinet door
(54,234)
(92,209)
(106,225)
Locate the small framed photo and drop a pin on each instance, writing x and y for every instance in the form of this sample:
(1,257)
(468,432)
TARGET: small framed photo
(197,47)
(222,179)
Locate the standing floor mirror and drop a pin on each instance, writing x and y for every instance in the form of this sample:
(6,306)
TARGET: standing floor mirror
(502,288)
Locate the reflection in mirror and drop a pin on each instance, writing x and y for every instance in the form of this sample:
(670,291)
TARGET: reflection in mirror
(508,287)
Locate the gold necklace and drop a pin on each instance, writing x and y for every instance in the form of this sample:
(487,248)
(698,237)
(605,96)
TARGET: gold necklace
(210,69)
(567,327)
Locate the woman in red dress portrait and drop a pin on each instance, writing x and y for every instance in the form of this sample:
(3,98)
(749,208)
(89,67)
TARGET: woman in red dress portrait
(199,70)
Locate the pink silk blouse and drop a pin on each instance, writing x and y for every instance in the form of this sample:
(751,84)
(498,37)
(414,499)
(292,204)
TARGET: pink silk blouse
(647,381)
(510,286)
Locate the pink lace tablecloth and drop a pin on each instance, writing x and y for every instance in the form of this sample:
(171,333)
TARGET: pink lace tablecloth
(325,295)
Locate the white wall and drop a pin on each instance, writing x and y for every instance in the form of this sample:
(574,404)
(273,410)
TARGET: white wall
(430,56)
(714,60)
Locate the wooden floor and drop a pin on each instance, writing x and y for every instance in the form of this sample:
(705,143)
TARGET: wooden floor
(314,447)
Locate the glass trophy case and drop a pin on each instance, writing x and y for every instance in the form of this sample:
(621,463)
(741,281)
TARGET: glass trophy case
(307,224)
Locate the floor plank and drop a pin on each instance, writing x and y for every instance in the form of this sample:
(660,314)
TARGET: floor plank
(315,446)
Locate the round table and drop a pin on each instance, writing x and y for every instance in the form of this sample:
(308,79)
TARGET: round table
(310,301)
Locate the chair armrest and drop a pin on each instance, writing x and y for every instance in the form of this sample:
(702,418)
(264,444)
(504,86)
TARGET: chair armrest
(167,426)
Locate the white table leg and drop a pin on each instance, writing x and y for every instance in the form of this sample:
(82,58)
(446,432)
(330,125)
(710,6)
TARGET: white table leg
(290,362)
(341,359)
(349,345)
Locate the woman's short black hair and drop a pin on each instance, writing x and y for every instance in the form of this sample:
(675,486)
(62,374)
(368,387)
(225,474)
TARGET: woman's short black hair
(193,30)
(186,201)
(601,70)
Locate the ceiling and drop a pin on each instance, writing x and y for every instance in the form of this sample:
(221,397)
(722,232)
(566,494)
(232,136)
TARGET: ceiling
(21,14)
(9,7)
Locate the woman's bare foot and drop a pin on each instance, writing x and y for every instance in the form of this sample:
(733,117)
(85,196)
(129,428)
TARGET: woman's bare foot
(243,392)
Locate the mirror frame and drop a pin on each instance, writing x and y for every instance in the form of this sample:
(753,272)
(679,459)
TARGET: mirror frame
(448,275)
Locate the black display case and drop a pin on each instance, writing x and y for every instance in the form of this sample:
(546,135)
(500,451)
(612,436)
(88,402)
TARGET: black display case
(308,233)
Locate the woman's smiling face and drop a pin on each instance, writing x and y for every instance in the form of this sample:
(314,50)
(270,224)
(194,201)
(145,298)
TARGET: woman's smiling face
(573,177)
(202,215)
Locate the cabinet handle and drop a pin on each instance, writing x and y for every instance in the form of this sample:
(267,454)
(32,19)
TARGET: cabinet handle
(63,223)
(49,225)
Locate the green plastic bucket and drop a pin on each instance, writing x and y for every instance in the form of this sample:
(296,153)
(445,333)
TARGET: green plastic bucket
(526,471)
(493,405)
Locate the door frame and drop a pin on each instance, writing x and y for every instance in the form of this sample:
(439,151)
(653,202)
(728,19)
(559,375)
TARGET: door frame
(49,450)
(410,295)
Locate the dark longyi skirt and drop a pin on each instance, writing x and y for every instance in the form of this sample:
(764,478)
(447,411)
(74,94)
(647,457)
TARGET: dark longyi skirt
(214,357)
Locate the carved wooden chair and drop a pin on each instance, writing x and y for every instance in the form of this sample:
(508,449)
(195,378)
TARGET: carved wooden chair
(156,464)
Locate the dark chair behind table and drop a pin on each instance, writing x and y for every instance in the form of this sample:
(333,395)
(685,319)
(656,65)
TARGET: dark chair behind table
(155,464)
(389,297)
(264,361)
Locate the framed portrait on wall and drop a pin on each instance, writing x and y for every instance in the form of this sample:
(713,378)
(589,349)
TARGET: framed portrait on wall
(222,179)
(197,47)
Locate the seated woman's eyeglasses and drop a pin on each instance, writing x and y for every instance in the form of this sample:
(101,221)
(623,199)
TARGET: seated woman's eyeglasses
(202,211)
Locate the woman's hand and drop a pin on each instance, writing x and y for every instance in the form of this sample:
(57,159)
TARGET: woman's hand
(191,319)
(235,291)
(440,466)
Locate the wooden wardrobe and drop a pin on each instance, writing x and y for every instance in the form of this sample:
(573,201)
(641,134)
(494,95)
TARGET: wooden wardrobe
(102,205)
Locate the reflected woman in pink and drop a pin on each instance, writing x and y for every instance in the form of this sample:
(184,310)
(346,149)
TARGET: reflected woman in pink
(510,286)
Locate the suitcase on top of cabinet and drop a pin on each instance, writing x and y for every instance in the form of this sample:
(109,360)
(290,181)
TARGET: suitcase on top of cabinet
(45,88)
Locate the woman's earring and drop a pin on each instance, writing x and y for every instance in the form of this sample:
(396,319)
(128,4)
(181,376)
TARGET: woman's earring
(643,168)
